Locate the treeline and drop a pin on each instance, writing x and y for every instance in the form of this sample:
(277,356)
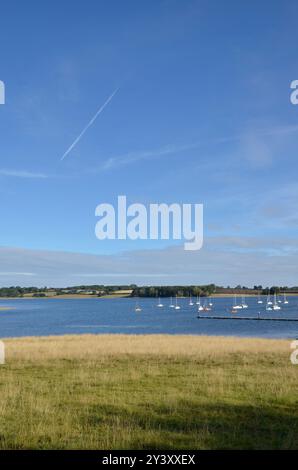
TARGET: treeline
(144,291)
(207,290)
(18,291)
(172,291)
(96,290)
(257,290)
(97,287)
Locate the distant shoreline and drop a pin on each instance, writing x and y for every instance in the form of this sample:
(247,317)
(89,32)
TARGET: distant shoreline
(66,296)
(123,296)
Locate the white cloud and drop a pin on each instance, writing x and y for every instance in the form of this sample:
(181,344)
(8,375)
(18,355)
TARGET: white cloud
(223,260)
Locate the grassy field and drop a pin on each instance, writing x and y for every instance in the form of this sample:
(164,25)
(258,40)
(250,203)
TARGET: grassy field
(148,392)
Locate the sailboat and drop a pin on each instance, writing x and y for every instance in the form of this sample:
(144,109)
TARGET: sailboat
(237,306)
(159,303)
(206,308)
(275,305)
(244,304)
(137,307)
(269,299)
(198,302)
(177,307)
(210,302)
(260,301)
(171,303)
(200,307)
(285,299)
(269,303)
(190,301)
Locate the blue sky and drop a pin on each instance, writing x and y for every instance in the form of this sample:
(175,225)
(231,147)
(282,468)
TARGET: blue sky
(202,115)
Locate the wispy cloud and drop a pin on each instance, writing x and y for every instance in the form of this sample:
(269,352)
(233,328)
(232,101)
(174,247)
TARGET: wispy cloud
(76,141)
(133,157)
(21,174)
(261,157)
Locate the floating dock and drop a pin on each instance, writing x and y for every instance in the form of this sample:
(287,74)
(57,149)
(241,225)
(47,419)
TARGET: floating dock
(205,317)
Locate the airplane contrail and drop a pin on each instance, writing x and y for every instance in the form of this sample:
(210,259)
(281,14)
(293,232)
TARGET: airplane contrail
(89,124)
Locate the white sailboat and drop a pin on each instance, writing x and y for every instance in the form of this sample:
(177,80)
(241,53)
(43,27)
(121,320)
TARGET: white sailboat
(236,306)
(269,299)
(190,300)
(244,304)
(206,308)
(171,303)
(260,301)
(198,302)
(210,302)
(269,303)
(275,305)
(200,307)
(160,305)
(137,307)
(177,307)
(285,299)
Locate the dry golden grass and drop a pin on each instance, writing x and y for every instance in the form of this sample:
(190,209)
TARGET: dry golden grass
(148,392)
(96,346)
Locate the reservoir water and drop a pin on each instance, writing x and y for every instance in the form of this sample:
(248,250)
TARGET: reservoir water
(43,317)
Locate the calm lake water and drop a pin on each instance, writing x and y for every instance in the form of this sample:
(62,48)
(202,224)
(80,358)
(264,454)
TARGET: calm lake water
(42,317)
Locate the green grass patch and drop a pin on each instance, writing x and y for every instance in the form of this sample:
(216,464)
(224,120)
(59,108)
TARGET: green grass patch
(145,401)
